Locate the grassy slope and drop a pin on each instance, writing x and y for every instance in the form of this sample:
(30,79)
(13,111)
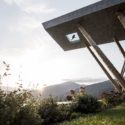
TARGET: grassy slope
(115,116)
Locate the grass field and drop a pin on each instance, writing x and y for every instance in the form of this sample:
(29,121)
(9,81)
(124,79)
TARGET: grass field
(114,116)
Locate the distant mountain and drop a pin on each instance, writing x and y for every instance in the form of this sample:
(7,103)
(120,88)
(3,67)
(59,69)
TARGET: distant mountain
(59,90)
(62,90)
(98,88)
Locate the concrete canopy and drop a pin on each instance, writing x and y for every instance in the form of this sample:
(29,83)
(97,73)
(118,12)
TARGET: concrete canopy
(99,19)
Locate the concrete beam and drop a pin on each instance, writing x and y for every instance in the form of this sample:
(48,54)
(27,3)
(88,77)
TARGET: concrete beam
(120,47)
(107,62)
(114,82)
(123,69)
(121,18)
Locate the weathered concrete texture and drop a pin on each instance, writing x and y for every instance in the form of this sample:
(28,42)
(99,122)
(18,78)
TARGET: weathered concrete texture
(99,19)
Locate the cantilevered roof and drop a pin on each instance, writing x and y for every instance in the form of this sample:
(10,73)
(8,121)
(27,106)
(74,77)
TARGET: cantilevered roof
(99,19)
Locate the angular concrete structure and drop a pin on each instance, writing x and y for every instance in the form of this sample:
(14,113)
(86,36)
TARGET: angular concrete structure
(99,23)
(99,19)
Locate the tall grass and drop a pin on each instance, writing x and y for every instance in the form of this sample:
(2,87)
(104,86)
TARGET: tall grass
(114,116)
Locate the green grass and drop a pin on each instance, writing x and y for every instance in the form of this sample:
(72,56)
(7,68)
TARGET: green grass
(114,116)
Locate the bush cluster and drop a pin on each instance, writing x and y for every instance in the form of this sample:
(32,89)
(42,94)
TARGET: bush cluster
(48,111)
(86,104)
(52,113)
(19,108)
(112,99)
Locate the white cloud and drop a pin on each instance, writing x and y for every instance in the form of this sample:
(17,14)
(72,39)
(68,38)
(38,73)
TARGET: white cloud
(13,1)
(24,24)
(23,31)
(38,8)
(31,7)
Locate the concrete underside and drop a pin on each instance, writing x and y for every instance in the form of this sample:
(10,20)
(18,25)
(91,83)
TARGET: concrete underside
(99,19)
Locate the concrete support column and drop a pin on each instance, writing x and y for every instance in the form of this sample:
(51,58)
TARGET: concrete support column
(123,69)
(114,82)
(120,47)
(102,56)
(123,53)
(121,18)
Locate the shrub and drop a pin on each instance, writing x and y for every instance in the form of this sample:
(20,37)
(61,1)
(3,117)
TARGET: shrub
(2,108)
(65,112)
(86,104)
(74,115)
(48,110)
(16,109)
(28,115)
(111,99)
(69,98)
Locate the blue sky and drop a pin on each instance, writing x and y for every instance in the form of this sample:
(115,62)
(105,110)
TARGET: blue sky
(34,55)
